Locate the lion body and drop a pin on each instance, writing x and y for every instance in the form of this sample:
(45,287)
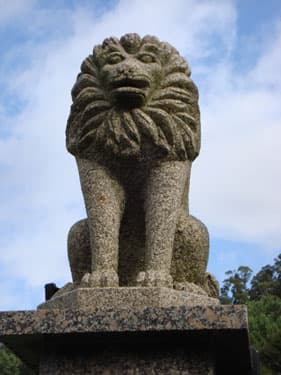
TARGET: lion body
(134,129)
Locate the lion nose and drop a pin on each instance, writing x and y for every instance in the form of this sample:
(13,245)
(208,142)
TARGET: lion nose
(127,69)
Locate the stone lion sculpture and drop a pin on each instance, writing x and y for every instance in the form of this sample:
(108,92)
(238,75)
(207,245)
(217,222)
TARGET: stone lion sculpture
(134,129)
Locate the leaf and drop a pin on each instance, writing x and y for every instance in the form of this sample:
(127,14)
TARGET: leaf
(164,122)
(145,124)
(130,127)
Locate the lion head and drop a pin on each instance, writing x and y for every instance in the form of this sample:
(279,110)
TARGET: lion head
(134,98)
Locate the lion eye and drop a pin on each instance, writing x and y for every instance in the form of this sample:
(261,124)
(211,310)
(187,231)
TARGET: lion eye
(114,59)
(146,58)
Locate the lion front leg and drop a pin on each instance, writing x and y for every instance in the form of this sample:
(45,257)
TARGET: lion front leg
(164,194)
(104,200)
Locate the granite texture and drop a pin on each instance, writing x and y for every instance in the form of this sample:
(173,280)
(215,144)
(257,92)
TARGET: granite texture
(128,362)
(75,298)
(183,318)
(45,321)
(167,340)
(134,128)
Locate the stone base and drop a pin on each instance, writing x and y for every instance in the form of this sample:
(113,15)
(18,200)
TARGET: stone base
(150,356)
(191,340)
(131,298)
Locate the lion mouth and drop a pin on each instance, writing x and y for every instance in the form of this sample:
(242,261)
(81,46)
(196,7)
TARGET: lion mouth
(138,83)
(129,92)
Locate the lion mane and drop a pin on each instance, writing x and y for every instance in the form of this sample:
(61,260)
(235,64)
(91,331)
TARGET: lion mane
(167,124)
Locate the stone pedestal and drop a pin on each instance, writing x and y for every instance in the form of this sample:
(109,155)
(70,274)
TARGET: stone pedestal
(202,339)
(71,297)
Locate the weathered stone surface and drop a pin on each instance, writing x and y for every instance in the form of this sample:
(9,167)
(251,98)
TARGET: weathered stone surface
(128,361)
(134,128)
(53,321)
(188,340)
(92,298)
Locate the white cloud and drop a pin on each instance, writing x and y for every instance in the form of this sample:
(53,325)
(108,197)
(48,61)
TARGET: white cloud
(241,120)
(234,179)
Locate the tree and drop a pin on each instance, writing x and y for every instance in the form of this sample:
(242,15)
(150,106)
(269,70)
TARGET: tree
(235,288)
(265,331)
(263,299)
(267,281)
(262,283)
(271,355)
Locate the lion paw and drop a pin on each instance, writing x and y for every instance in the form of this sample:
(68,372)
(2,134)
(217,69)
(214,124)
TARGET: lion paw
(101,279)
(153,278)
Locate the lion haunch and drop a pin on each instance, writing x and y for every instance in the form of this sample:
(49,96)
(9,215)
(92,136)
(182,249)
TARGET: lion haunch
(134,128)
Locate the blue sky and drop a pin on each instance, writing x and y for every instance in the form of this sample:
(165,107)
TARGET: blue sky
(234,50)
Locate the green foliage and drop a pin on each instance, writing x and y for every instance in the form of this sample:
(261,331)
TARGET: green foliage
(264,320)
(11,364)
(267,281)
(235,288)
(263,298)
(265,330)
(267,371)
(262,283)
(271,355)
